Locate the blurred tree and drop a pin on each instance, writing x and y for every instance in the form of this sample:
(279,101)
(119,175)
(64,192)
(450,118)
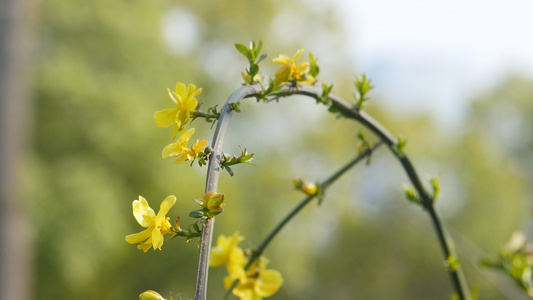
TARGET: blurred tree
(17,19)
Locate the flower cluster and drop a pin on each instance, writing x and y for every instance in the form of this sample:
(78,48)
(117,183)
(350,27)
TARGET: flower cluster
(290,71)
(185,100)
(254,283)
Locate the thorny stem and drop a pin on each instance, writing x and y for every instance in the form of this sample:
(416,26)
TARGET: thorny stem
(349,111)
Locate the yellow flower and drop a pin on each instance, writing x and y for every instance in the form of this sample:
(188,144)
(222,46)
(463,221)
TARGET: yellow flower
(180,150)
(198,147)
(151,295)
(290,70)
(185,99)
(258,283)
(156,225)
(228,252)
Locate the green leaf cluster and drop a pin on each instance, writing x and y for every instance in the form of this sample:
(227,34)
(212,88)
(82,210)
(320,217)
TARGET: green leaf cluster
(252,54)
(362,86)
(228,160)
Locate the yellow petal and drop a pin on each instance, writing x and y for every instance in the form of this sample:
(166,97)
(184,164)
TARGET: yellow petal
(145,246)
(300,70)
(228,281)
(142,212)
(297,55)
(157,238)
(181,89)
(164,208)
(192,92)
(171,94)
(172,150)
(190,105)
(217,257)
(245,291)
(236,256)
(196,93)
(175,130)
(284,74)
(308,80)
(166,117)
(139,237)
(281,59)
(181,159)
(199,146)
(268,283)
(187,135)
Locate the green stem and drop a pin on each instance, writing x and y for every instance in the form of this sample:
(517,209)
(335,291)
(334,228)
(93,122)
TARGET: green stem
(323,186)
(457,277)
(349,111)
(213,171)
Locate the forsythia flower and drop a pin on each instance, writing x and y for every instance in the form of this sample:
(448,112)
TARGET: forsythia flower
(290,70)
(156,225)
(257,283)
(227,252)
(151,295)
(180,150)
(185,99)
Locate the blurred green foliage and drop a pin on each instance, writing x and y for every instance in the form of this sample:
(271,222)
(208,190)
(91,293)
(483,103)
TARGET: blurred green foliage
(102,70)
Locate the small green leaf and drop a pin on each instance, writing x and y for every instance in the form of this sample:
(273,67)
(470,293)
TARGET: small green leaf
(362,85)
(452,263)
(235,106)
(245,51)
(411,195)
(230,171)
(257,49)
(263,56)
(314,69)
(196,214)
(436,188)
(254,69)
(196,227)
(324,98)
(199,202)
(399,146)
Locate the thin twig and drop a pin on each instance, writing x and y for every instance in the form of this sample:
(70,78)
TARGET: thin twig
(323,186)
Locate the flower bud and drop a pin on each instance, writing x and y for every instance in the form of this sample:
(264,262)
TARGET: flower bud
(214,201)
(151,295)
(309,188)
(306,187)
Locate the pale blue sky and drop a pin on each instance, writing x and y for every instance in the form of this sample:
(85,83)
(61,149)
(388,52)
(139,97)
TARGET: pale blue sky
(434,55)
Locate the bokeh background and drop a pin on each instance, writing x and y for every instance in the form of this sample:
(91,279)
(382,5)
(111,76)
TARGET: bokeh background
(80,81)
